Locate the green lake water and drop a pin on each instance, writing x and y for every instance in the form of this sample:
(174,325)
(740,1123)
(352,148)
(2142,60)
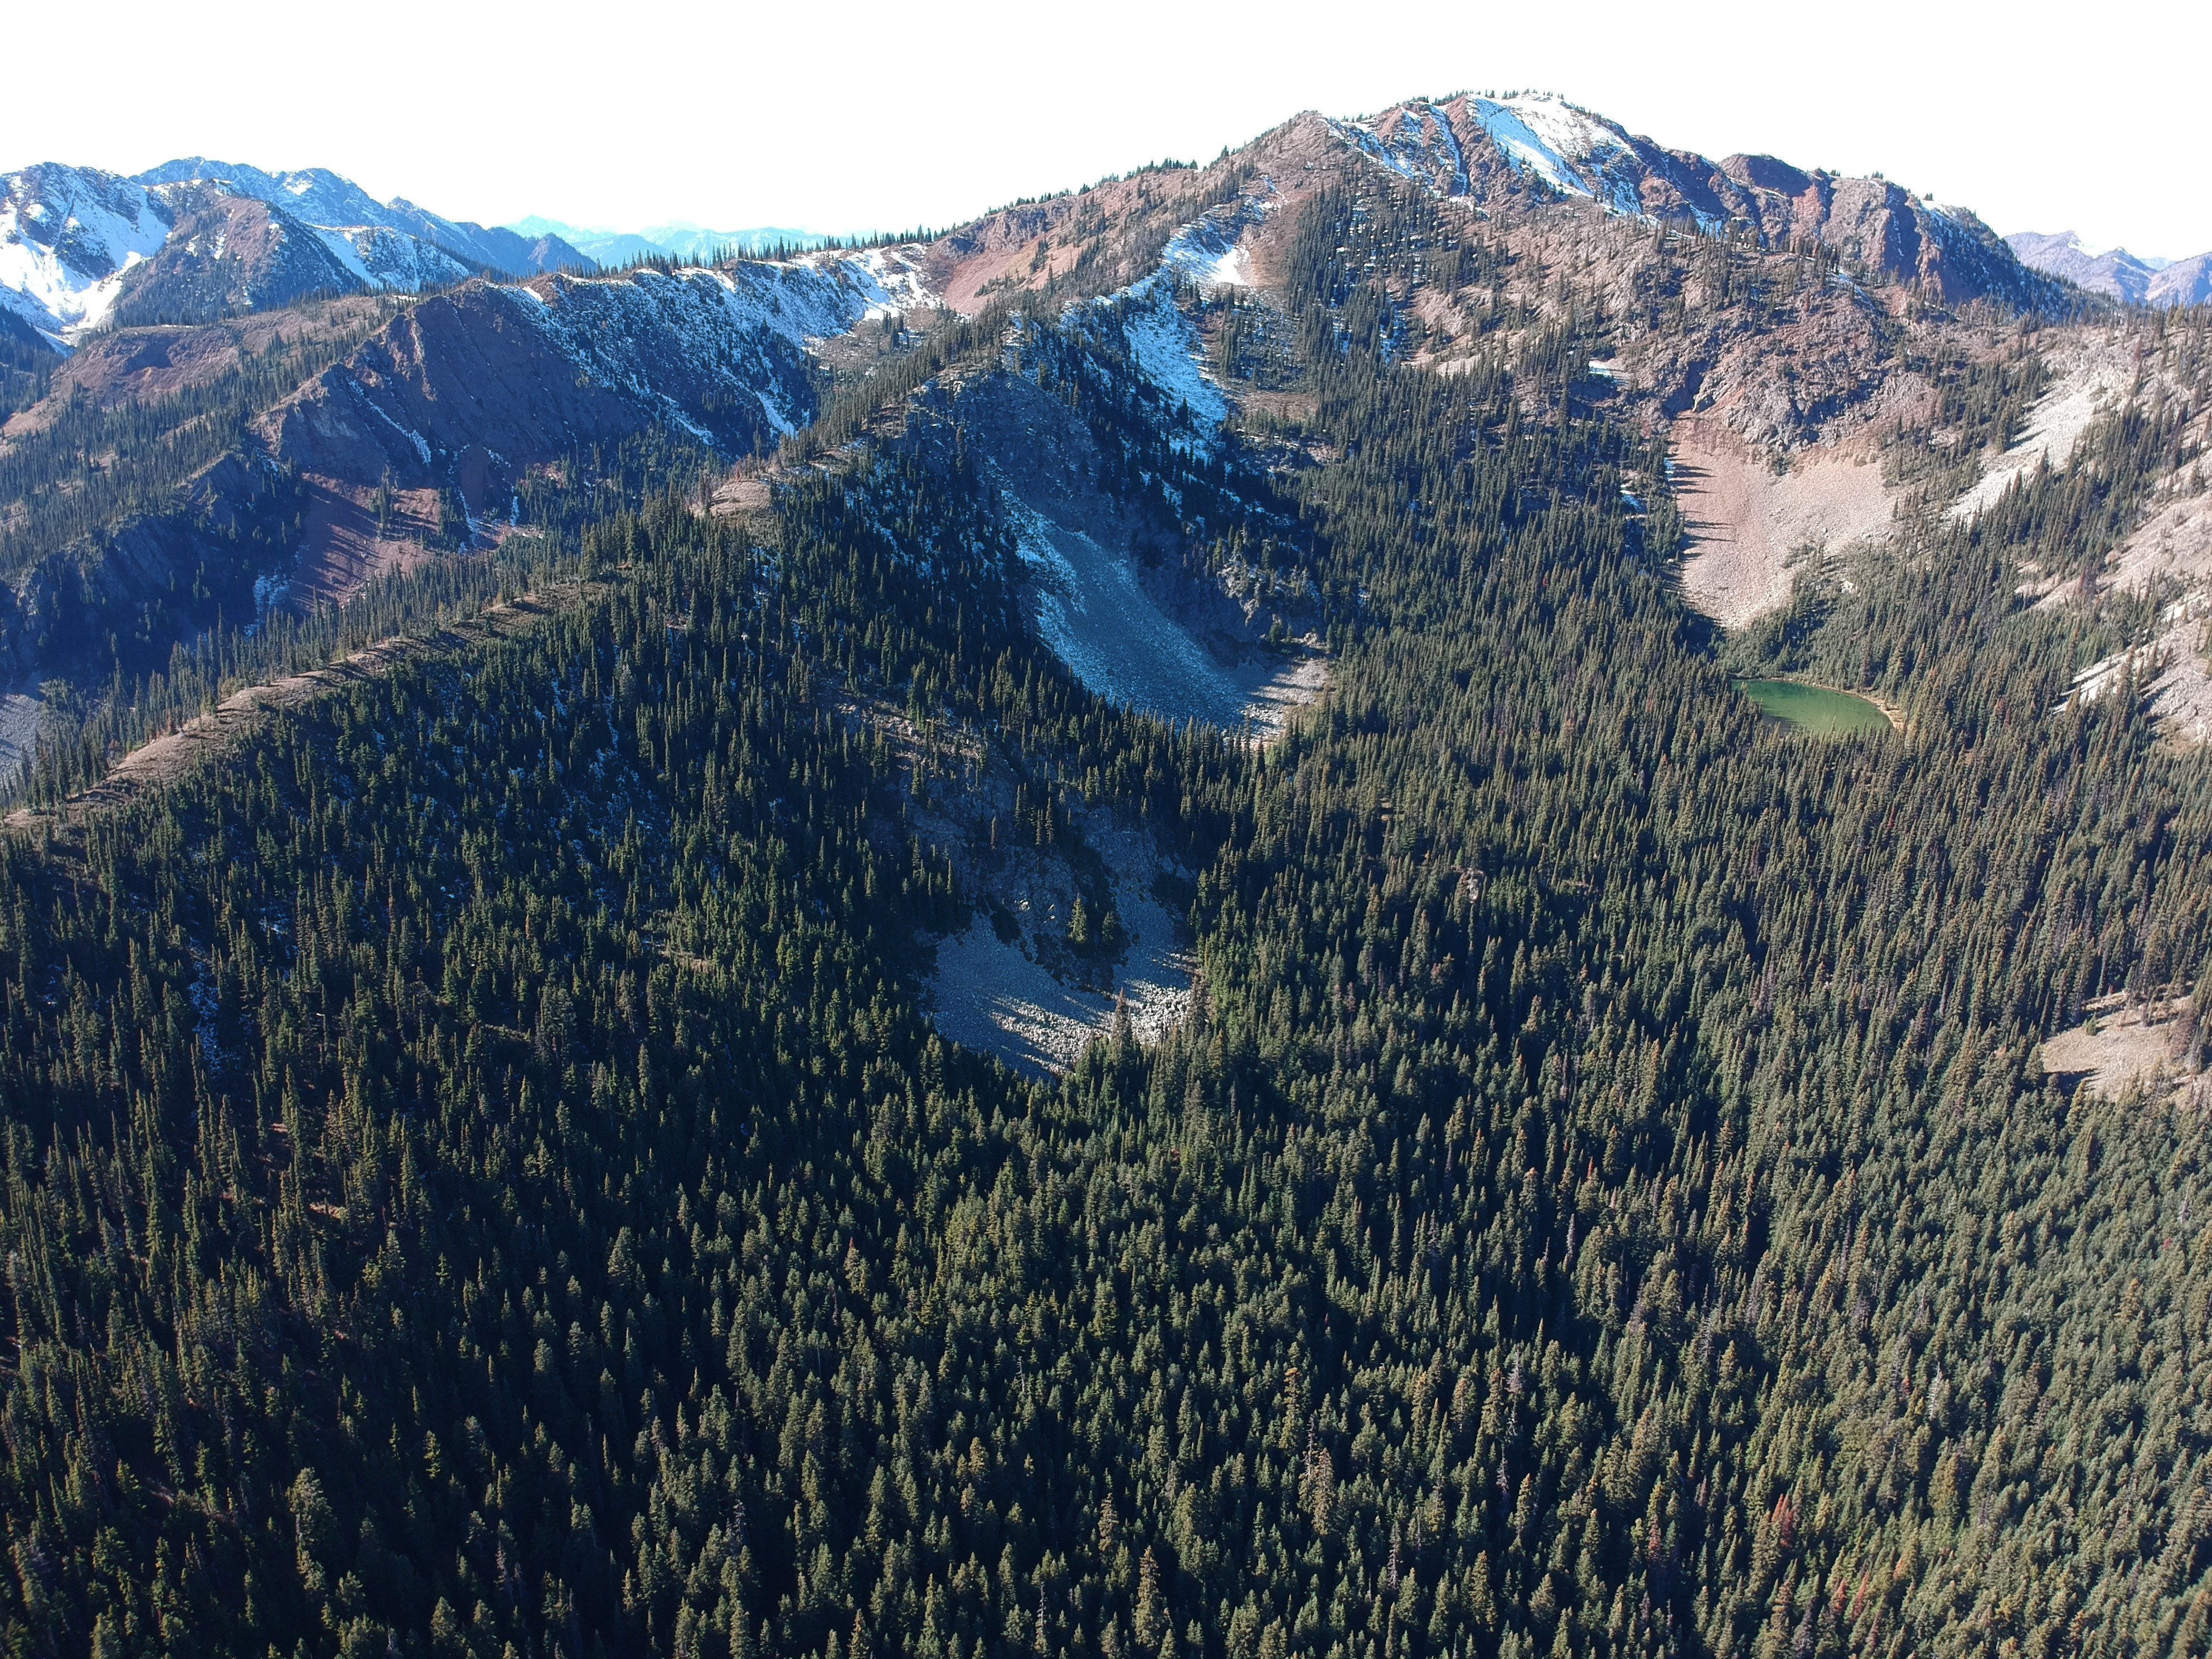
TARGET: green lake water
(1814,709)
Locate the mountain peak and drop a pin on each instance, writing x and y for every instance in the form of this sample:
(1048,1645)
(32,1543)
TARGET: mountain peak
(71,237)
(1471,143)
(2114,272)
(318,197)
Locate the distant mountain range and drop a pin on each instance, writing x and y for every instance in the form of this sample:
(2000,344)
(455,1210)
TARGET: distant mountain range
(320,197)
(679,240)
(2115,272)
(196,238)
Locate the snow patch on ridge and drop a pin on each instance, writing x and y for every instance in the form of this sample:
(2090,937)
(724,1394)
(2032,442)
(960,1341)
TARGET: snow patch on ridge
(1209,251)
(1564,147)
(607,325)
(1418,145)
(801,299)
(380,257)
(1538,136)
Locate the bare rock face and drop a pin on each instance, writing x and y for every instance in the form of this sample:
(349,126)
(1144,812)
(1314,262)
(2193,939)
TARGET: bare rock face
(1950,253)
(470,389)
(449,402)
(226,255)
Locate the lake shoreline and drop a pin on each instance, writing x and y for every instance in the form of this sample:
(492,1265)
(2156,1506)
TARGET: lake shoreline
(1819,710)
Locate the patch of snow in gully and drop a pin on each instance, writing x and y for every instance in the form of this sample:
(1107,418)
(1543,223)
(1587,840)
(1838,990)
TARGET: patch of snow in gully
(1164,347)
(1537,134)
(58,294)
(888,279)
(340,243)
(1538,137)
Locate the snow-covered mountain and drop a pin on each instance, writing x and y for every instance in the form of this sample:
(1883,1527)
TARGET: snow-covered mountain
(67,235)
(2115,272)
(456,399)
(72,240)
(450,400)
(226,254)
(320,197)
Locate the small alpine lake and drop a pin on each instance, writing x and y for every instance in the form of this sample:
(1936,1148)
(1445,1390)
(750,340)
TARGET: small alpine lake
(1814,709)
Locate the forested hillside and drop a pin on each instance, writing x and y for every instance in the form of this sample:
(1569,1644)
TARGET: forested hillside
(481,1180)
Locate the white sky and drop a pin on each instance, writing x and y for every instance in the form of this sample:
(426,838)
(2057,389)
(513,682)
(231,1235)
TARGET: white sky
(862,114)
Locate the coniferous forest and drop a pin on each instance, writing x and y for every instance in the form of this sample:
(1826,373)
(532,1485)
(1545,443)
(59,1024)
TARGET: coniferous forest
(480,1179)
